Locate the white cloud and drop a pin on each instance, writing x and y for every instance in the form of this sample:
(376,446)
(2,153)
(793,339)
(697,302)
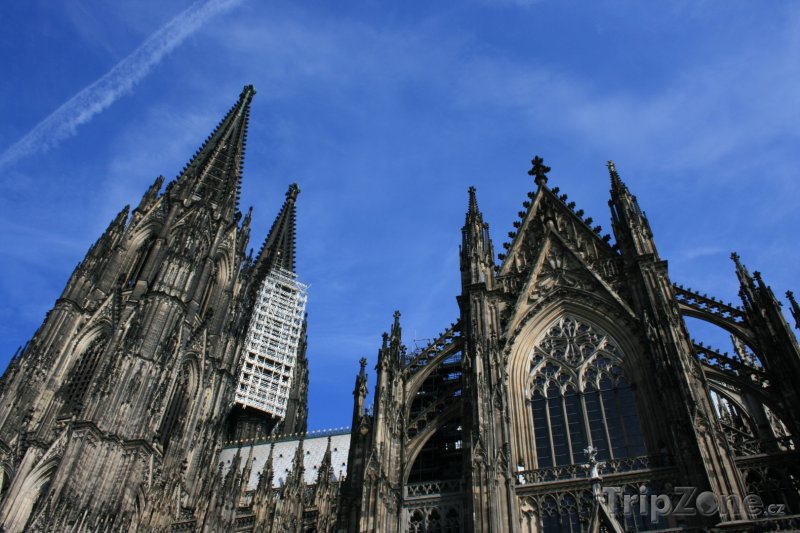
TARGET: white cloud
(64,121)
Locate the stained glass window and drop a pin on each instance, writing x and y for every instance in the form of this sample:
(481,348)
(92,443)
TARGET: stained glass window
(579,396)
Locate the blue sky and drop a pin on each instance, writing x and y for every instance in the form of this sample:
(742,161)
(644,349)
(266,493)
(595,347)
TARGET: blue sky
(385,113)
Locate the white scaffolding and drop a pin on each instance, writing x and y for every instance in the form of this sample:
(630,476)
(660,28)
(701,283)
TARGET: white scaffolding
(273,337)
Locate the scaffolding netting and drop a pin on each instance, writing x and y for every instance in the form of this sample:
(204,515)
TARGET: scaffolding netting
(273,338)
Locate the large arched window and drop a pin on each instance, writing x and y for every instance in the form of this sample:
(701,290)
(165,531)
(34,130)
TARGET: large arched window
(579,396)
(136,268)
(80,377)
(172,422)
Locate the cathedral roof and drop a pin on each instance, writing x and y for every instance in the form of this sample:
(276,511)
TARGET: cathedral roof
(314,445)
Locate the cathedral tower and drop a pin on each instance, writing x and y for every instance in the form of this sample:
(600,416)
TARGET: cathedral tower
(112,416)
(273,378)
(167,388)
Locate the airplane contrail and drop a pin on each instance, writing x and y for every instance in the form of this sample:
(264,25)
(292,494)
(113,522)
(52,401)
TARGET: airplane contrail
(64,121)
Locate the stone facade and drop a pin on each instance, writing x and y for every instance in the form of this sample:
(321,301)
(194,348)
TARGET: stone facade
(567,387)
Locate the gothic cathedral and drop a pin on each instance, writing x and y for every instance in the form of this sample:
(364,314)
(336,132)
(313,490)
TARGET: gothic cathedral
(167,388)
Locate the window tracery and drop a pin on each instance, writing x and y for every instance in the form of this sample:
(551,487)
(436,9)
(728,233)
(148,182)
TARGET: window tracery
(579,396)
(570,511)
(80,378)
(432,518)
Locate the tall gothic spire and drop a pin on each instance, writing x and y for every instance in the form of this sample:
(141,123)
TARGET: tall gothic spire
(214,173)
(477,252)
(279,246)
(631,227)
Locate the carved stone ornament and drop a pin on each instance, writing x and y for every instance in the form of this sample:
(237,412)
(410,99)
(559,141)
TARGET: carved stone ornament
(560,268)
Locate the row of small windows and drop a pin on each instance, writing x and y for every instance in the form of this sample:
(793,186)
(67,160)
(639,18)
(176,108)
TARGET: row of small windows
(570,513)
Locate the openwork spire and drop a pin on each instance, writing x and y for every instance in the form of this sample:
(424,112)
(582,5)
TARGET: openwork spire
(278,249)
(214,173)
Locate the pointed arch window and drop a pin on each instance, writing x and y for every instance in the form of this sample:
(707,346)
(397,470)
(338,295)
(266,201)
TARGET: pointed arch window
(172,422)
(136,270)
(579,396)
(80,377)
(550,516)
(213,281)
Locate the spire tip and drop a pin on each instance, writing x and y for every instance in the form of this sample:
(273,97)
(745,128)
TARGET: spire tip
(472,209)
(616,181)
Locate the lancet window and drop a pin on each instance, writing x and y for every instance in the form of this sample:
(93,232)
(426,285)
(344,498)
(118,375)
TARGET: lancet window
(176,409)
(80,377)
(137,267)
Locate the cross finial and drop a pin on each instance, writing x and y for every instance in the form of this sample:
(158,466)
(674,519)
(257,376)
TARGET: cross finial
(363,363)
(472,210)
(593,467)
(591,454)
(539,171)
